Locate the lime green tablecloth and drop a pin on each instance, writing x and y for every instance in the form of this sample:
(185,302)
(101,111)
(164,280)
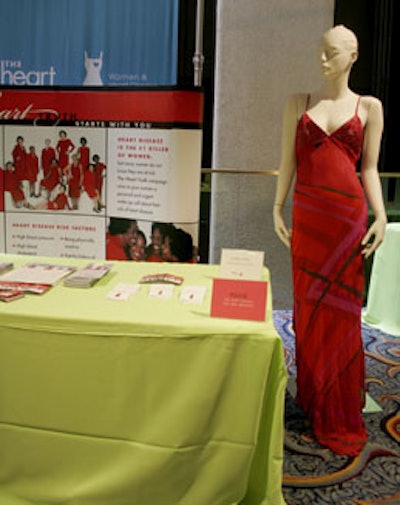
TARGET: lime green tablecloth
(383,304)
(144,402)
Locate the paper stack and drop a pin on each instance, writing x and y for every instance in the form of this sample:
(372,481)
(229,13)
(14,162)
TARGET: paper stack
(4,267)
(88,276)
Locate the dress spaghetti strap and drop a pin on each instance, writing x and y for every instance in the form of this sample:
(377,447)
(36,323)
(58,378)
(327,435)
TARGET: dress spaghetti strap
(307,102)
(303,111)
(358,104)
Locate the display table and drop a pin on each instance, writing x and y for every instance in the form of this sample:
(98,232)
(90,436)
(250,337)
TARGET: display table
(142,402)
(383,303)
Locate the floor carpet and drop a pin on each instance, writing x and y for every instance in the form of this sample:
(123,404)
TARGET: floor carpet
(316,476)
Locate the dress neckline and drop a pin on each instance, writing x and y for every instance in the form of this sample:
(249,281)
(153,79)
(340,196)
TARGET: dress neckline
(336,130)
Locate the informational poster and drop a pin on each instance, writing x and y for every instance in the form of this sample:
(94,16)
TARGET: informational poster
(75,160)
(88,42)
(145,182)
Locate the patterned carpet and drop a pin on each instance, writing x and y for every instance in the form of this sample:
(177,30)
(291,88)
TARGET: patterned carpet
(316,476)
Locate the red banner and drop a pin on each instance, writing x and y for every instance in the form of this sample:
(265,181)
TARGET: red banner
(156,106)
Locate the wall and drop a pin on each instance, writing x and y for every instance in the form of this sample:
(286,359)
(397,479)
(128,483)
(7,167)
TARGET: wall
(265,50)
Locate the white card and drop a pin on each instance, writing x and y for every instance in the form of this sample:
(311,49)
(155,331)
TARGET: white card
(163,291)
(122,292)
(241,264)
(193,294)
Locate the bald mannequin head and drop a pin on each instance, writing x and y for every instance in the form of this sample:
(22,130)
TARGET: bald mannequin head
(338,51)
(343,35)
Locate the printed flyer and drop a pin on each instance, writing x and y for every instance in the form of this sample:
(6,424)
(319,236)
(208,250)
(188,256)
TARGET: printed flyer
(100,173)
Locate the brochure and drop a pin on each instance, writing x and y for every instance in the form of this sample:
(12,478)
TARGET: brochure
(5,267)
(88,276)
(38,273)
(241,264)
(161,279)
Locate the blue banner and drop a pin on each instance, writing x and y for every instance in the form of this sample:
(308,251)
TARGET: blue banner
(88,42)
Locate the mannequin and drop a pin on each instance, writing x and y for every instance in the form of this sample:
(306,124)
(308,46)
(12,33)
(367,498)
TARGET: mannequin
(324,135)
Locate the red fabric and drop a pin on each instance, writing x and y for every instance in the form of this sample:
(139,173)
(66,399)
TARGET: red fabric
(12,184)
(329,221)
(32,167)
(114,248)
(155,258)
(52,178)
(99,169)
(60,202)
(47,155)
(64,148)
(84,156)
(74,183)
(89,183)
(19,159)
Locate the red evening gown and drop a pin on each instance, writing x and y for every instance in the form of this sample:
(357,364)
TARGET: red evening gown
(64,148)
(329,221)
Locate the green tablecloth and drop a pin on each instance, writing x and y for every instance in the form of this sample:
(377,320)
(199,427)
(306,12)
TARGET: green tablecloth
(144,402)
(383,304)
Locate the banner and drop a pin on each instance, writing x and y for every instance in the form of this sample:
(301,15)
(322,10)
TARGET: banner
(88,42)
(75,161)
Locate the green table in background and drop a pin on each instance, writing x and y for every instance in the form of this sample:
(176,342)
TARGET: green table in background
(383,302)
(142,402)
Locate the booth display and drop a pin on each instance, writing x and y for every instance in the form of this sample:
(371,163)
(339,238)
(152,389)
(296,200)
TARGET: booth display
(99,155)
(138,399)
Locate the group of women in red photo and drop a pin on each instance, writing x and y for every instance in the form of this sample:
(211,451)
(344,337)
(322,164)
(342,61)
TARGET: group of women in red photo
(126,241)
(63,167)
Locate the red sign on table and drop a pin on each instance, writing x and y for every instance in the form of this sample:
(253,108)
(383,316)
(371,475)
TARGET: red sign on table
(239,299)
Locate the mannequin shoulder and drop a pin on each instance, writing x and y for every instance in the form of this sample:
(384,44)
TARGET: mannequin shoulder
(297,104)
(371,105)
(371,111)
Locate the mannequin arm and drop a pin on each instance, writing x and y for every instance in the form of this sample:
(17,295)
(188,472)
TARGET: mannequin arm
(370,177)
(287,169)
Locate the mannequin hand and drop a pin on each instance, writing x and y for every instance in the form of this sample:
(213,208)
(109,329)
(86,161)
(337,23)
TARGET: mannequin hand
(280,227)
(376,232)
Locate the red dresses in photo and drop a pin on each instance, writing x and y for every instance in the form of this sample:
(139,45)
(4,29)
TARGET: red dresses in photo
(32,167)
(84,156)
(12,184)
(52,178)
(19,158)
(64,149)
(48,154)
(74,180)
(99,170)
(89,183)
(60,202)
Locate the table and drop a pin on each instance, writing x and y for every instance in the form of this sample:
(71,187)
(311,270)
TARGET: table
(383,302)
(144,402)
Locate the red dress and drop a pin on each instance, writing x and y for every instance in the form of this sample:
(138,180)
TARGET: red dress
(75,181)
(64,148)
(32,167)
(19,159)
(52,178)
(329,221)
(60,202)
(99,168)
(12,184)
(48,153)
(89,183)
(84,156)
